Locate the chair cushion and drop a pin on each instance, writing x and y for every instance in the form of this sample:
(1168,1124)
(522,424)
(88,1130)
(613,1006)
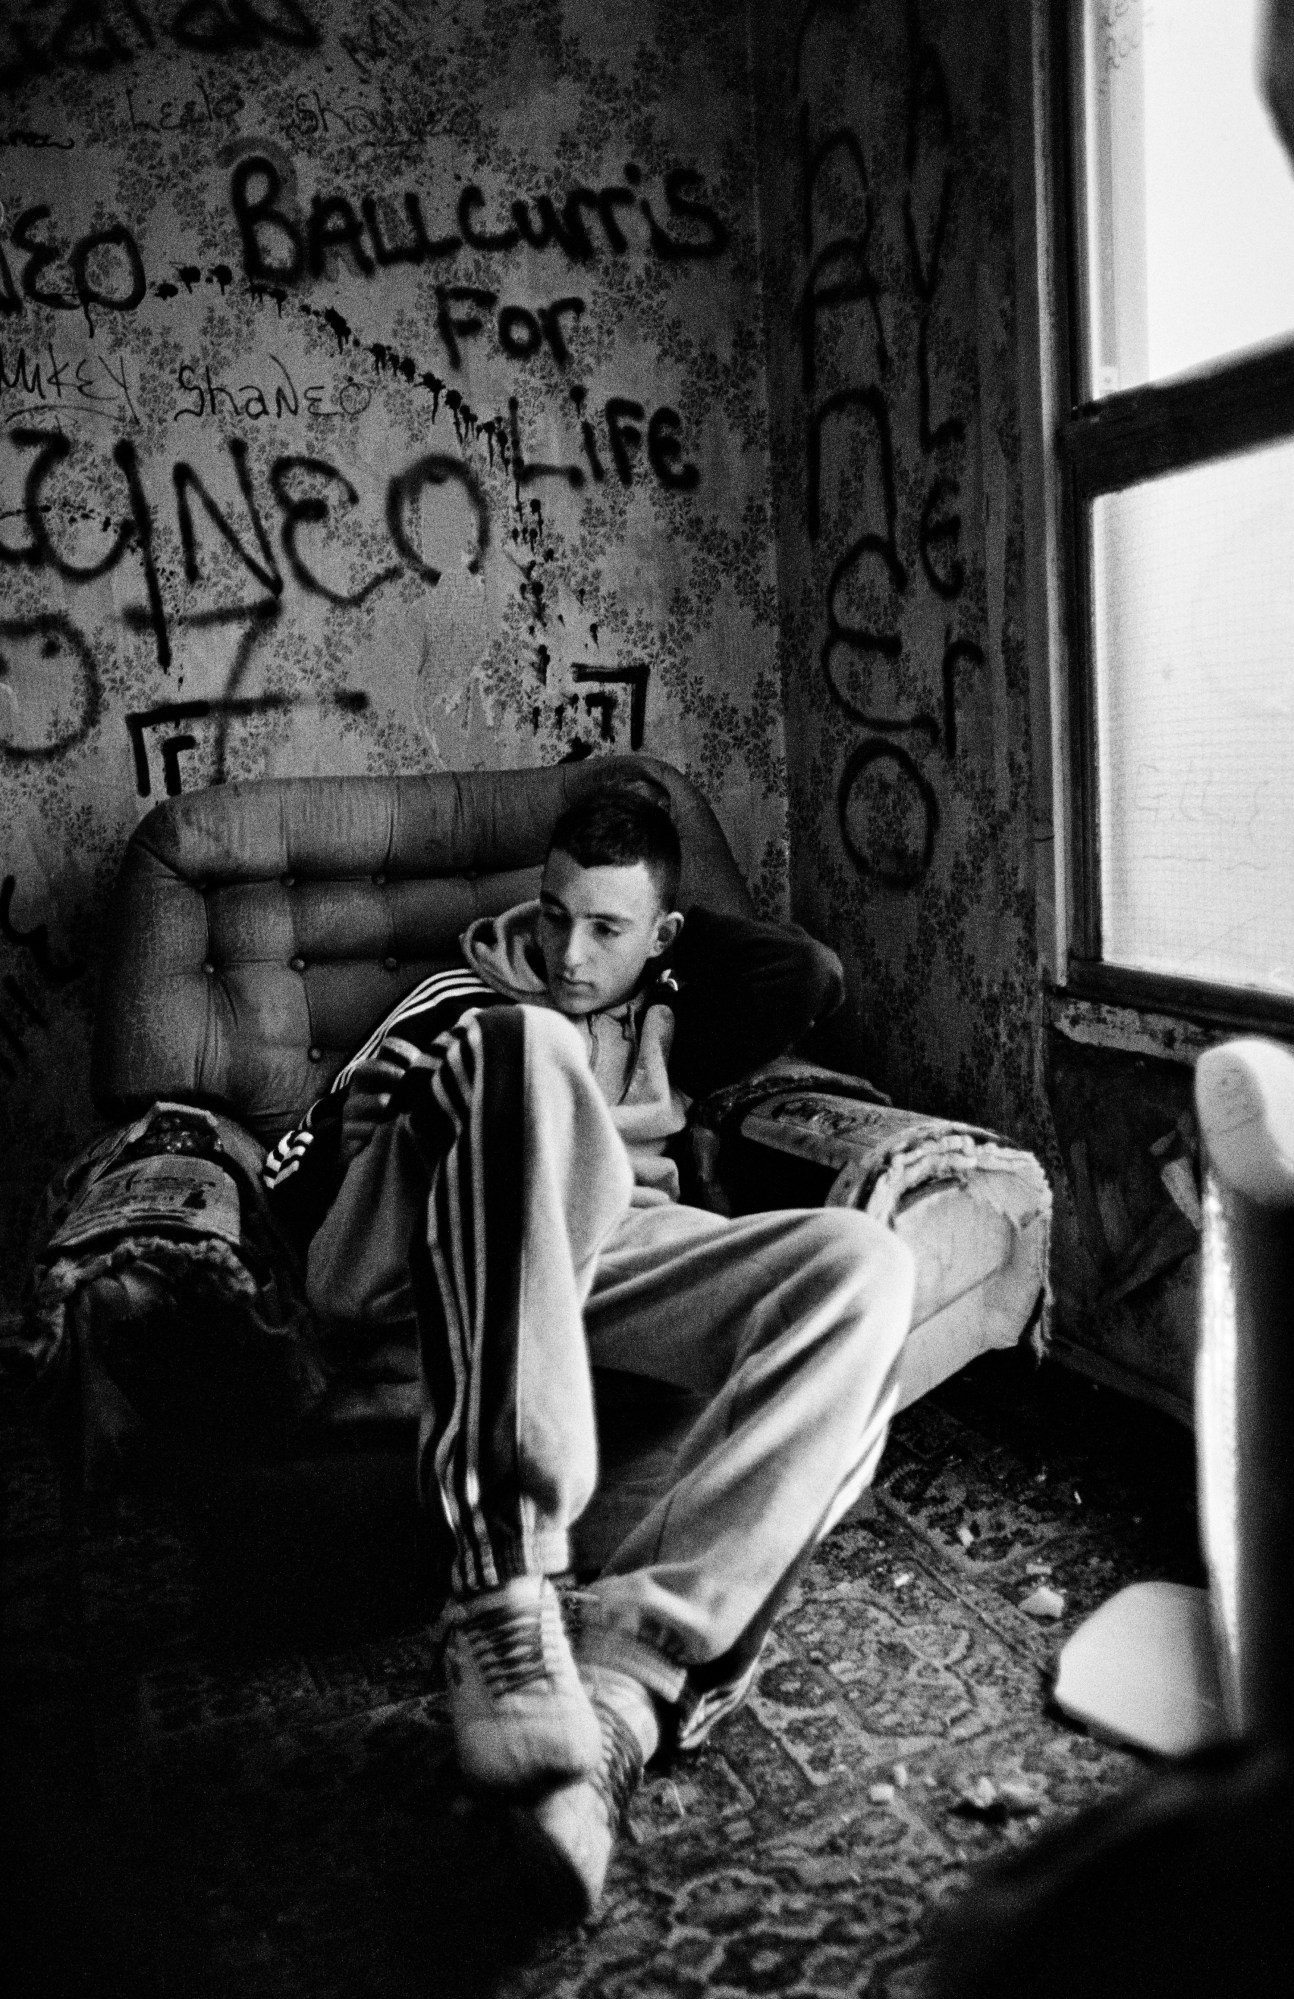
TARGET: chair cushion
(259,931)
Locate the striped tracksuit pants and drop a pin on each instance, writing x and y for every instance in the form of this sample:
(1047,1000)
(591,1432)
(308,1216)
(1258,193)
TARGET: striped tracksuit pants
(501,1192)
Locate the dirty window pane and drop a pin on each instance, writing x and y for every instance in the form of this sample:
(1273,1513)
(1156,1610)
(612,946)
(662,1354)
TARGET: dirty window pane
(1194,595)
(1190,197)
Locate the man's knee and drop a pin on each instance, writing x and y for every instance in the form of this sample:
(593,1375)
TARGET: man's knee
(551,1037)
(868,1262)
(498,1030)
(533,1036)
(518,1050)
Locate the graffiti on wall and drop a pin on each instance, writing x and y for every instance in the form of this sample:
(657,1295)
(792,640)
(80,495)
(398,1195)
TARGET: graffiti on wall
(903,535)
(288,243)
(303,492)
(380,389)
(887,795)
(94,36)
(621,433)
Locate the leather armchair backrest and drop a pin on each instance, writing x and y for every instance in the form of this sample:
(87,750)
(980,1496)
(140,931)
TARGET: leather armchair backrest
(258,932)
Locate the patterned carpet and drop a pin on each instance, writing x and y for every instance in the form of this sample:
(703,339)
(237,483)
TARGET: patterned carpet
(198,1810)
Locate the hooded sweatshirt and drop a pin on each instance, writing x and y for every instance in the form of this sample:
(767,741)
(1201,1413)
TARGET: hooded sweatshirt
(628,1045)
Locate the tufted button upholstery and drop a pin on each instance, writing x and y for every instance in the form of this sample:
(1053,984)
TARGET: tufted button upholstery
(355,877)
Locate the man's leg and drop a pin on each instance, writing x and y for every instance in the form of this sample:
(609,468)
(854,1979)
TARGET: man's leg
(792,1323)
(493,1186)
(528,1178)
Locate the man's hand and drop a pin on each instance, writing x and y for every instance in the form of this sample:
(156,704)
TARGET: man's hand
(369,1092)
(655,1177)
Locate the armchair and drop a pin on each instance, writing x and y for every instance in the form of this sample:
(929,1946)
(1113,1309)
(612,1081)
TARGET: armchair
(257,933)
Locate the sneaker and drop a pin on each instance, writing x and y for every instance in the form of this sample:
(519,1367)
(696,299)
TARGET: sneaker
(567,1835)
(521,1718)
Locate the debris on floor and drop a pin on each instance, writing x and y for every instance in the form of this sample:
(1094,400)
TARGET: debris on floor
(1044,1602)
(1013,1797)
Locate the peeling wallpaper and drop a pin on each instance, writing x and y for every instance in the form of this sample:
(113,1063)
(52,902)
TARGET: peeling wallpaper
(383,390)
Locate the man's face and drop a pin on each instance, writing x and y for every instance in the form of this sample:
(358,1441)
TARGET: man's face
(597,929)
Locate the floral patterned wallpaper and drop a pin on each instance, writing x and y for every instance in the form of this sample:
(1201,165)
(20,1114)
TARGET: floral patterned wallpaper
(383,390)
(886,168)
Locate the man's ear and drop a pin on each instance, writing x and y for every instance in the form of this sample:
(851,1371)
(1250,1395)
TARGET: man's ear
(667,929)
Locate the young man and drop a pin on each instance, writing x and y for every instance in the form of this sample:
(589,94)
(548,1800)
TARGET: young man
(498,1152)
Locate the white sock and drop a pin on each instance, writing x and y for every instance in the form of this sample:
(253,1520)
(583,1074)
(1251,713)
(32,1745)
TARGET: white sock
(630,1699)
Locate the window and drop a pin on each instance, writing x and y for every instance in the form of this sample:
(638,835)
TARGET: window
(1178,456)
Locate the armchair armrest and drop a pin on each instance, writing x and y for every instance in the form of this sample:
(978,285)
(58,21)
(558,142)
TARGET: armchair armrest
(162,1290)
(719,1119)
(975,1211)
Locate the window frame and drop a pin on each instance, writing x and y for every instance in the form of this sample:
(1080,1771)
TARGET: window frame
(1105,445)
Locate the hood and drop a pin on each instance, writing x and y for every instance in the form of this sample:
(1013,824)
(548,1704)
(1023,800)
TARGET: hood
(504,952)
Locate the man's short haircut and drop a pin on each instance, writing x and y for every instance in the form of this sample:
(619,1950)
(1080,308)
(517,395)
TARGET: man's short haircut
(613,826)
